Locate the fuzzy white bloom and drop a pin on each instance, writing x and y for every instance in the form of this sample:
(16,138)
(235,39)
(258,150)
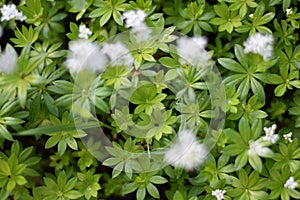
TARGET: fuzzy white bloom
(84,32)
(118,54)
(259,148)
(270,136)
(291,183)
(11,12)
(84,54)
(192,51)
(186,152)
(289,11)
(288,136)
(8,60)
(251,15)
(219,194)
(135,19)
(260,44)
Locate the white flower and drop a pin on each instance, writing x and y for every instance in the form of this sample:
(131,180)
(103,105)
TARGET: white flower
(8,60)
(289,11)
(291,183)
(192,51)
(288,136)
(118,54)
(11,12)
(84,32)
(186,152)
(135,19)
(84,54)
(251,15)
(270,136)
(258,148)
(260,44)
(219,194)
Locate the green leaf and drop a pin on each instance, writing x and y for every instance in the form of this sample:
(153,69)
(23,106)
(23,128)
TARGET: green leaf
(241,160)
(280,90)
(158,180)
(231,65)
(169,62)
(178,196)
(73,194)
(62,179)
(4,133)
(141,194)
(5,170)
(11,185)
(106,16)
(153,190)
(143,93)
(256,163)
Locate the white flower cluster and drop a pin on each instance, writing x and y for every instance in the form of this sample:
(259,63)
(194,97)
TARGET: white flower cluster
(186,152)
(270,136)
(289,11)
(260,44)
(118,54)
(291,183)
(259,148)
(84,54)
(11,12)
(192,51)
(219,194)
(8,60)
(84,32)
(135,19)
(288,137)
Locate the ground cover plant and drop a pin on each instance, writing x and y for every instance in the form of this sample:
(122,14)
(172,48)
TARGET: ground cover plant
(149,99)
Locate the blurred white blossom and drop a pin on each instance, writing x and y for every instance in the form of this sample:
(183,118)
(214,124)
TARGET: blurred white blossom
(8,60)
(291,183)
(219,194)
(186,152)
(289,11)
(135,19)
(288,137)
(84,32)
(118,54)
(192,51)
(84,54)
(11,12)
(259,148)
(260,44)
(270,136)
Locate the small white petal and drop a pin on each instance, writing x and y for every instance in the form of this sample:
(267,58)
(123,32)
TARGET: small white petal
(84,32)
(291,183)
(219,194)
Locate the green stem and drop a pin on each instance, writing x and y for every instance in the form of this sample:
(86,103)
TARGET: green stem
(58,128)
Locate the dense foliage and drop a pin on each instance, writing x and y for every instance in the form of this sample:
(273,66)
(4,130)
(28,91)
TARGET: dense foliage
(78,121)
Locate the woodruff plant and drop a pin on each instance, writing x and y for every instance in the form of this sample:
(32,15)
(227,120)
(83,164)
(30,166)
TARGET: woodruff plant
(104,99)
